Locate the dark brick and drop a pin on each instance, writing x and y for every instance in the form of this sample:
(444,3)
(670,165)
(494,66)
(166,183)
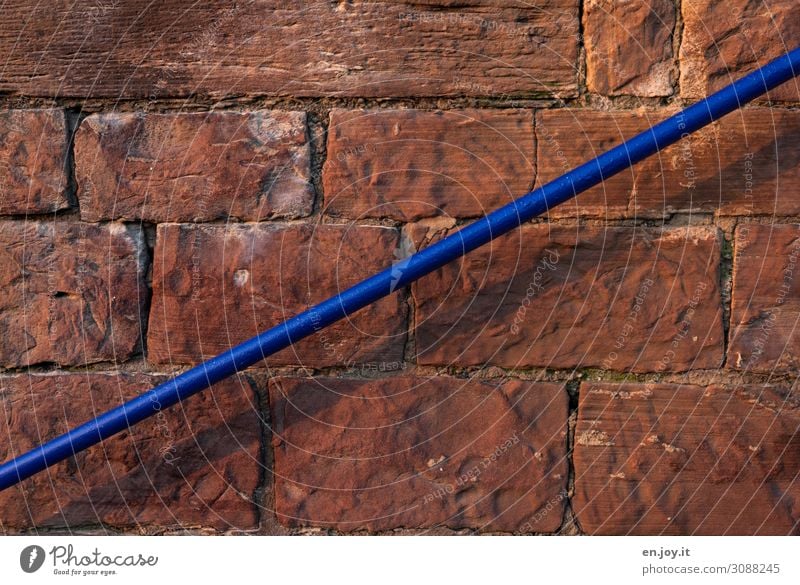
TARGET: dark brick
(619,298)
(419,452)
(319,48)
(193,465)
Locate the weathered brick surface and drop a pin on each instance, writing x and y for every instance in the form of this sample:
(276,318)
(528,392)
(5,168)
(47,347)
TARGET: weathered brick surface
(215,285)
(745,164)
(669,459)
(410,164)
(193,166)
(724,40)
(33,150)
(319,48)
(629,47)
(197,464)
(766,299)
(70,293)
(407,451)
(618,298)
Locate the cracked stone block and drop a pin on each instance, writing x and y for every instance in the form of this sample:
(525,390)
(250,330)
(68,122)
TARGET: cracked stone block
(70,293)
(33,153)
(629,47)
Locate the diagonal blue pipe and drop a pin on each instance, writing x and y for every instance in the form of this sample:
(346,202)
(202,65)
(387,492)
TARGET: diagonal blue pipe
(403,273)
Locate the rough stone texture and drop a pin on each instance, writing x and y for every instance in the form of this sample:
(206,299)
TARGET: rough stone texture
(724,40)
(70,293)
(193,465)
(407,451)
(666,459)
(629,47)
(215,286)
(410,164)
(193,166)
(618,298)
(746,164)
(766,299)
(33,151)
(435,47)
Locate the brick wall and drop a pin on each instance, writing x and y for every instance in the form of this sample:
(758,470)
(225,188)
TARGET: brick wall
(175,178)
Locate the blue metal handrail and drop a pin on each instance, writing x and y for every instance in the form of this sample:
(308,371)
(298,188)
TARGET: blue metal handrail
(403,273)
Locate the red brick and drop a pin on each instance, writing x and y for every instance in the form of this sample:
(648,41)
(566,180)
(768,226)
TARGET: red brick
(33,151)
(619,298)
(419,452)
(629,47)
(215,286)
(659,459)
(319,48)
(765,303)
(410,164)
(193,465)
(71,293)
(724,40)
(746,164)
(193,166)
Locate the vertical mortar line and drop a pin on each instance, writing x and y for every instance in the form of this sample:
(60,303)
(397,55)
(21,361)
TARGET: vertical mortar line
(317,133)
(149,231)
(72,119)
(726,286)
(569,522)
(263,497)
(410,344)
(583,89)
(677,43)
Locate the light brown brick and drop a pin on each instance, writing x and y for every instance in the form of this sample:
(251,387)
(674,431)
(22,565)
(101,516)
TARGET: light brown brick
(193,166)
(661,459)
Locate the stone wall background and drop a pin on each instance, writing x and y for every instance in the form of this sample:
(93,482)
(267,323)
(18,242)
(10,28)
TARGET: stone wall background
(175,178)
